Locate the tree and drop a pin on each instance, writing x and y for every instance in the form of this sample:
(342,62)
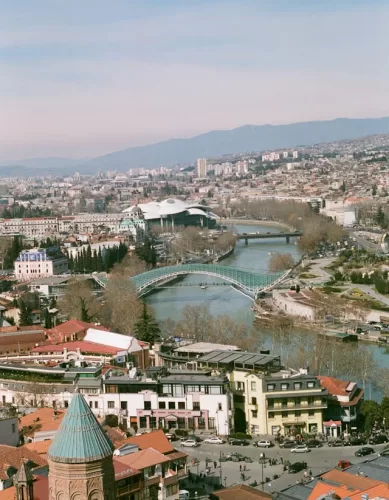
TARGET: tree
(146,328)
(25,318)
(78,302)
(343,187)
(47,319)
(380,217)
(372,413)
(374,190)
(122,307)
(280,262)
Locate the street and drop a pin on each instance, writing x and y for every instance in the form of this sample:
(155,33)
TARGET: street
(318,460)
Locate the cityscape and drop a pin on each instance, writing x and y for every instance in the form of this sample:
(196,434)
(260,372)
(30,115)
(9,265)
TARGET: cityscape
(194,251)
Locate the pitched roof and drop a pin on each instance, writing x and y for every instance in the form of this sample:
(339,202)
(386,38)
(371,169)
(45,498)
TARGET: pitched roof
(40,447)
(322,488)
(112,339)
(334,386)
(41,420)
(143,458)
(80,438)
(83,345)
(350,480)
(155,439)
(241,492)
(379,491)
(13,457)
(122,470)
(23,475)
(70,327)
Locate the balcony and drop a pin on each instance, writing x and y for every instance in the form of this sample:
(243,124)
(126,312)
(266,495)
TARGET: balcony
(127,490)
(301,406)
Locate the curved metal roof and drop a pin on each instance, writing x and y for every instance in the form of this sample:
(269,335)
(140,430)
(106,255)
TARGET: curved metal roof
(80,438)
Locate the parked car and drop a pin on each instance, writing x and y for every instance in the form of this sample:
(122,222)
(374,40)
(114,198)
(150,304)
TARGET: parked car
(236,457)
(343,464)
(300,448)
(379,439)
(171,436)
(263,444)
(296,467)
(365,450)
(314,443)
(336,442)
(239,442)
(288,444)
(357,441)
(214,440)
(190,443)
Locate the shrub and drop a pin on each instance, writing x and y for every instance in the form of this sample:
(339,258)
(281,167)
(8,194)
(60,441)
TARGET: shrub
(111,420)
(240,435)
(180,432)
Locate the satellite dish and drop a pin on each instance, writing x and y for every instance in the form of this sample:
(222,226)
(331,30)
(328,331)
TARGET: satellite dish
(384,243)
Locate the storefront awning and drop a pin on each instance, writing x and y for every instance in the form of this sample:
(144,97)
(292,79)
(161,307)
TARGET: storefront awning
(332,423)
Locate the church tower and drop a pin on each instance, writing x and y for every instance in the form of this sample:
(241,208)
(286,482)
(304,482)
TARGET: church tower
(80,457)
(23,482)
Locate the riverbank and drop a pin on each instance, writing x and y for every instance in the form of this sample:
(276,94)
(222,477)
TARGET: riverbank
(253,222)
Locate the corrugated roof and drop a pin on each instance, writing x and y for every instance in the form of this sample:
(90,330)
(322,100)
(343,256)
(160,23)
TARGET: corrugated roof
(80,438)
(298,491)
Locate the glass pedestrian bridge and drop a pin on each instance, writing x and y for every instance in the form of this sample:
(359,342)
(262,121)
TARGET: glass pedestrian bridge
(247,281)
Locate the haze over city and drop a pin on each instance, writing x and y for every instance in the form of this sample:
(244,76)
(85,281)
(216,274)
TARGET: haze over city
(80,79)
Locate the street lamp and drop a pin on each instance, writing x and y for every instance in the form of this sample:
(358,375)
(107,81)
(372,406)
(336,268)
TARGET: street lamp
(262,458)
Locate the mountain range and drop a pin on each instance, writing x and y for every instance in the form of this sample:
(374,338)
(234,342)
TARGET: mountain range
(211,144)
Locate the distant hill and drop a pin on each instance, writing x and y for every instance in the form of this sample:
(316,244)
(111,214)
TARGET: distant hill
(238,140)
(211,144)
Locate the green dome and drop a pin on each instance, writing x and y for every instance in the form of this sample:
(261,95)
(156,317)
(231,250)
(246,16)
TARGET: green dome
(80,438)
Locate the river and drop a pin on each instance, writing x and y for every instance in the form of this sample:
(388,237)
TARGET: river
(168,302)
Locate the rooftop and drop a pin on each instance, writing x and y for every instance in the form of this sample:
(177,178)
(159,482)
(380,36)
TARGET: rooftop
(83,345)
(206,347)
(80,438)
(243,358)
(241,492)
(156,439)
(13,457)
(143,458)
(41,420)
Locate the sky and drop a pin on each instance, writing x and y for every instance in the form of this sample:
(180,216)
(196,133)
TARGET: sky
(80,78)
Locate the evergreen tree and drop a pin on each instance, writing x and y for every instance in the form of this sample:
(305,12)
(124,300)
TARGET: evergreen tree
(380,217)
(146,328)
(374,190)
(47,319)
(84,311)
(343,187)
(25,314)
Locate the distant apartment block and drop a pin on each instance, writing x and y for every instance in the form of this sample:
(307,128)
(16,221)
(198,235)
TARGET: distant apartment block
(202,167)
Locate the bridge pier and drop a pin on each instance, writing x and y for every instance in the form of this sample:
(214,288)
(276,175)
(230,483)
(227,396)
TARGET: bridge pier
(287,239)
(246,241)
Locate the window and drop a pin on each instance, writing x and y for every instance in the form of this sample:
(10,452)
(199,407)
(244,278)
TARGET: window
(66,404)
(96,404)
(172,405)
(297,386)
(253,386)
(253,401)
(211,423)
(311,413)
(111,405)
(284,414)
(297,413)
(311,385)
(271,414)
(90,404)
(284,387)
(162,405)
(219,407)
(254,414)
(196,406)
(181,405)
(147,405)
(311,400)
(270,404)
(13,428)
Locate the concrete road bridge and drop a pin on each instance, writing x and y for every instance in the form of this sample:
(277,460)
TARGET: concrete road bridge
(261,236)
(247,281)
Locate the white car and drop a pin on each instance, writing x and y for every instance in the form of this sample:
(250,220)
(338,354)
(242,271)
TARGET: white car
(214,440)
(190,443)
(263,444)
(300,448)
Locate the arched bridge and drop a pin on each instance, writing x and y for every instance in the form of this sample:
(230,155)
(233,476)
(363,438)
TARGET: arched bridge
(247,281)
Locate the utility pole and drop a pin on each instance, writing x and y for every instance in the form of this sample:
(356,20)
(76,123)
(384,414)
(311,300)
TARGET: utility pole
(221,473)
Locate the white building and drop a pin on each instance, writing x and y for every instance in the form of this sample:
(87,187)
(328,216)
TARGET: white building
(202,167)
(295,154)
(40,262)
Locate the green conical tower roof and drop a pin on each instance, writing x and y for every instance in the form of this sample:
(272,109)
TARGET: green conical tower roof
(80,438)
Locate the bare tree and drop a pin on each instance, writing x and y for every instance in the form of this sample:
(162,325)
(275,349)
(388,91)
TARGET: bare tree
(280,262)
(121,306)
(78,302)
(131,265)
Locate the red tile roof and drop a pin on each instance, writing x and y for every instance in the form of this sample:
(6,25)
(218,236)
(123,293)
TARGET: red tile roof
(70,327)
(351,480)
(241,492)
(143,458)
(122,470)
(83,345)
(334,386)
(155,439)
(11,456)
(42,419)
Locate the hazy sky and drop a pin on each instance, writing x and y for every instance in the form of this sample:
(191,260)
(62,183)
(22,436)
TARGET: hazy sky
(84,77)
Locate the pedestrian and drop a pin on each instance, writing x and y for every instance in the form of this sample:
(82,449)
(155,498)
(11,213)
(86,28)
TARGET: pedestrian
(215,464)
(282,460)
(244,467)
(240,467)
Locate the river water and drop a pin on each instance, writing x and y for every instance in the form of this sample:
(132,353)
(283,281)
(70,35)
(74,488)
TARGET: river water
(223,299)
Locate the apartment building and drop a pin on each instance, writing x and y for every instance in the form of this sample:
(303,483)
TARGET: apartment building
(202,167)
(40,262)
